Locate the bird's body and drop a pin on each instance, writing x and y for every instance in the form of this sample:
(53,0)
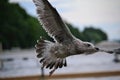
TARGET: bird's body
(53,54)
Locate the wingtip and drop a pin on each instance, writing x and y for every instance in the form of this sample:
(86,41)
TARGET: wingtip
(38,3)
(51,72)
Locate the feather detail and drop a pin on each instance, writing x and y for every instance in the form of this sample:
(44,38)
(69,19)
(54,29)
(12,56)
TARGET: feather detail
(52,21)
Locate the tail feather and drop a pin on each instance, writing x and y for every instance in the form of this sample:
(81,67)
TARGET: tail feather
(40,47)
(52,65)
(61,63)
(42,60)
(65,63)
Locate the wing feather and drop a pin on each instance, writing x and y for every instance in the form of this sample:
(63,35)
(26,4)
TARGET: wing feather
(52,22)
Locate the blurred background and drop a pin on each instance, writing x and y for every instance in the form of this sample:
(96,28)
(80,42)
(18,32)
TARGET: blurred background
(96,21)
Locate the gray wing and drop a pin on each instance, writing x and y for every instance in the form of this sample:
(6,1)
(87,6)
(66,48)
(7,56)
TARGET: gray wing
(52,22)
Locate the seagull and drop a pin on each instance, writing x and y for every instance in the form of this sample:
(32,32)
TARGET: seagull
(53,55)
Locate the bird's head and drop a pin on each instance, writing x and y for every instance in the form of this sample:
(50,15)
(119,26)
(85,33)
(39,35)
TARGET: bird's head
(85,47)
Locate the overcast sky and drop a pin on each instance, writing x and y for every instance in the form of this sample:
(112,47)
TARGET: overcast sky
(103,14)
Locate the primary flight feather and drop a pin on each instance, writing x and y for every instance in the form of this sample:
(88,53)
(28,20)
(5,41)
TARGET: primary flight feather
(53,54)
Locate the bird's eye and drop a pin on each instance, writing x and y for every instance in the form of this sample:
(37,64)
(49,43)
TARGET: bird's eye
(88,45)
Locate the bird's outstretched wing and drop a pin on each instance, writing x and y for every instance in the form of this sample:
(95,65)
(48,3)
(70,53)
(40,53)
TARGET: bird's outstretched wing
(52,22)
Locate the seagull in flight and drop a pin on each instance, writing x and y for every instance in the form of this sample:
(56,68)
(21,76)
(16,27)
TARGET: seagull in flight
(53,54)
